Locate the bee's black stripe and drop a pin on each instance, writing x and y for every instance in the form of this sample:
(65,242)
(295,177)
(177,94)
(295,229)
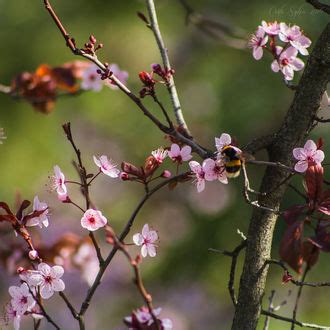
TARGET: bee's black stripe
(232,169)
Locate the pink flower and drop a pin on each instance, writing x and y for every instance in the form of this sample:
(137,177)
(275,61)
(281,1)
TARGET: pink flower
(142,318)
(160,154)
(197,169)
(224,140)
(13,316)
(106,166)
(257,42)
(48,279)
(42,219)
(294,36)
(91,80)
(93,220)
(166,174)
(22,299)
(271,28)
(288,63)
(308,155)
(2,135)
(33,254)
(214,170)
(121,75)
(59,183)
(146,239)
(180,155)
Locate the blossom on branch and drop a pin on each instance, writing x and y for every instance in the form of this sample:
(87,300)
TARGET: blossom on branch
(22,299)
(307,156)
(142,319)
(106,166)
(179,155)
(287,62)
(214,170)
(160,154)
(197,169)
(42,218)
(12,316)
(258,42)
(91,80)
(224,140)
(59,183)
(48,279)
(146,239)
(93,220)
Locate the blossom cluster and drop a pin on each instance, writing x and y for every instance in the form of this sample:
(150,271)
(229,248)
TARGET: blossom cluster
(44,281)
(269,36)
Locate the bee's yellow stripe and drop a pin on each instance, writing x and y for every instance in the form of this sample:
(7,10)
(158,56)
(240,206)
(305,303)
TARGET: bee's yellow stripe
(235,162)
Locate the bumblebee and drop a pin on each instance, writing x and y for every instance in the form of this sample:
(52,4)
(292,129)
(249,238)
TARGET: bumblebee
(232,159)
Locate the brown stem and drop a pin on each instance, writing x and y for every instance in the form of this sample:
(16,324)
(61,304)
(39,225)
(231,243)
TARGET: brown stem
(320,6)
(298,121)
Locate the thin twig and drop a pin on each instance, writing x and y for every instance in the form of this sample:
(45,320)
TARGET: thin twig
(294,313)
(234,255)
(298,323)
(270,309)
(167,65)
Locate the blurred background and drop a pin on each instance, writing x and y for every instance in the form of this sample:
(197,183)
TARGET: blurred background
(221,88)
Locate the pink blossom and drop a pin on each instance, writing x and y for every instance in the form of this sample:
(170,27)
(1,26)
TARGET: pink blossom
(166,174)
(257,42)
(59,183)
(308,155)
(142,317)
(160,154)
(107,166)
(294,36)
(22,299)
(288,63)
(93,220)
(91,80)
(224,140)
(180,155)
(121,75)
(42,219)
(13,316)
(48,279)
(214,170)
(271,28)
(146,239)
(197,169)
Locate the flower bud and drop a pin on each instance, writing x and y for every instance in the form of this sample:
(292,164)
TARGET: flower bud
(33,254)
(166,174)
(124,176)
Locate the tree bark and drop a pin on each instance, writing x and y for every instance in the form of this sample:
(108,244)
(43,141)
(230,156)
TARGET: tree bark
(297,124)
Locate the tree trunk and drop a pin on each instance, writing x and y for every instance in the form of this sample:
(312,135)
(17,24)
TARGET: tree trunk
(297,124)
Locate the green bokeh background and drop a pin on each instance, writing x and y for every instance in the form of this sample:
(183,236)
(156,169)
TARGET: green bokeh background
(221,90)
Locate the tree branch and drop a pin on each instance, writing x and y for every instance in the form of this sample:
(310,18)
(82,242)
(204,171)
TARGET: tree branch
(319,5)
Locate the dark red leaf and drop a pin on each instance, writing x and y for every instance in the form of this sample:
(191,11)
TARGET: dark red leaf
(314,182)
(5,207)
(291,246)
(292,213)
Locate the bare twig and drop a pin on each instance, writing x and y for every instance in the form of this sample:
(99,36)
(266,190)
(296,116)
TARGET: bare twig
(167,65)
(270,309)
(298,323)
(294,314)
(234,255)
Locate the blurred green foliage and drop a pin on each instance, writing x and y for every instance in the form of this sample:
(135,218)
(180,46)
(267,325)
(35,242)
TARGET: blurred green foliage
(221,89)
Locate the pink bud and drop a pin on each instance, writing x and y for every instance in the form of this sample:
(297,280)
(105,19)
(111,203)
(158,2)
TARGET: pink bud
(124,176)
(33,254)
(166,174)
(20,270)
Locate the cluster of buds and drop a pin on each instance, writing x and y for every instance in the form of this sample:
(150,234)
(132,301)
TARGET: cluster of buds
(149,82)
(91,47)
(107,73)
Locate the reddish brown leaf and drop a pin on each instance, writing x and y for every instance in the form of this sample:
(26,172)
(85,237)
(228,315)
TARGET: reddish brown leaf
(292,214)
(310,253)
(291,246)
(314,181)
(25,204)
